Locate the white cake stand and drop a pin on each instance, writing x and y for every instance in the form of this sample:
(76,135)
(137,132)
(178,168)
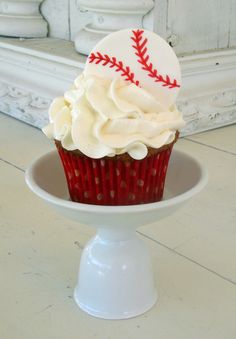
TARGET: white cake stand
(115,277)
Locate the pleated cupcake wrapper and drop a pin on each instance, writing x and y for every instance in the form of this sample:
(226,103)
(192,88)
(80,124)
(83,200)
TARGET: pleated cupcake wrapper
(109,181)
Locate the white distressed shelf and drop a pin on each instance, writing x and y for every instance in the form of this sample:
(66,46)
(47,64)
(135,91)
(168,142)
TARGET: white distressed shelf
(34,71)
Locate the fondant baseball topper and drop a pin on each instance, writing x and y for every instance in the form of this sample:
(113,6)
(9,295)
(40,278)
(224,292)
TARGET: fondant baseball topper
(140,57)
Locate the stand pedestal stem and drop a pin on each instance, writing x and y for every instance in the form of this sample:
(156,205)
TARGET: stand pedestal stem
(119,234)
(115,277)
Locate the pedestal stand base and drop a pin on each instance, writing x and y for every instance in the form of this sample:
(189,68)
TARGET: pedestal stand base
(115,277)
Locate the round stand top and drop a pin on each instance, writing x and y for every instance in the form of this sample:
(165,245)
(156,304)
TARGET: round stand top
(186,176)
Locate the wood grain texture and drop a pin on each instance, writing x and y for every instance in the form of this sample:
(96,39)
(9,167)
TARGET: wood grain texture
(232,24)
(160,17)
(56,12)
(201,25)
(78,18)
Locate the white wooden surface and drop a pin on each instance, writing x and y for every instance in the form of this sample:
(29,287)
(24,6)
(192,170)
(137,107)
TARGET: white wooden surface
(202,25)
(193,253)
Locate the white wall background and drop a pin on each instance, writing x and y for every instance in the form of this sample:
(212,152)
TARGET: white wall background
(202,24)
(191,25)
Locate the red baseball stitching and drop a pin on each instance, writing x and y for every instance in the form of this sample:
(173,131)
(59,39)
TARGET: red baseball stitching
(143,59)
(113,63)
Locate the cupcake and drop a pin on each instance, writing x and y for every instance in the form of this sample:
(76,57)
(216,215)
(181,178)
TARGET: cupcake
(115,128)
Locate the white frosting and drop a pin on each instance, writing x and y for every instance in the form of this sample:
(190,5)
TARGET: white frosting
(104,117)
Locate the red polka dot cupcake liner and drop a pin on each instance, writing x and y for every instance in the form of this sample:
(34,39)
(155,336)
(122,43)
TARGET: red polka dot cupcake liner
(115,181)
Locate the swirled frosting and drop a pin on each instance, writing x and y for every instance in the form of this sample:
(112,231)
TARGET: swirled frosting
(103,117)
